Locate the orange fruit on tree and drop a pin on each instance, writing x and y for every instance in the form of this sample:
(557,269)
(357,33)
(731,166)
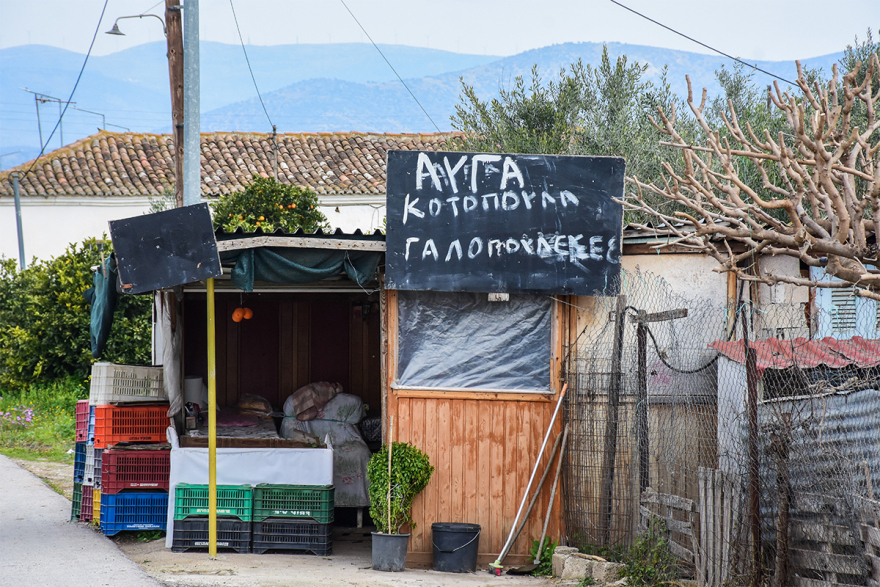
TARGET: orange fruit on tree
(237,315)
(248,313)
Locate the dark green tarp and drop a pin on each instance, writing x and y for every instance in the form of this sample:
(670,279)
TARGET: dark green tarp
(103,298)
(297,266)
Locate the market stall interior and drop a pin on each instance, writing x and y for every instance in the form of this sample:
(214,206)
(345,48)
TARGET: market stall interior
(298,356)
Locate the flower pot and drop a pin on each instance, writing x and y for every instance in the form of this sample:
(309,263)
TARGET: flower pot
(389,551)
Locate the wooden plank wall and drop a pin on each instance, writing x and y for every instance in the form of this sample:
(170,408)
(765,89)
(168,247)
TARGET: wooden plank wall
(483,447)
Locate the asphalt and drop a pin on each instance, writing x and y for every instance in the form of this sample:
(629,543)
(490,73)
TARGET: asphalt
(39,545)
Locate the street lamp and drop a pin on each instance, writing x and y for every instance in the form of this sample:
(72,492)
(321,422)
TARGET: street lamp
(115,30)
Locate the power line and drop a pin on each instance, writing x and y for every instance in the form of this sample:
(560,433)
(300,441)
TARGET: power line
(72,92)
(389,65)
(249,64)
(755,67)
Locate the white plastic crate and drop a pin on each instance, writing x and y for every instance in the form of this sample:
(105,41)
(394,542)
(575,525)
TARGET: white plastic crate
(89,475)
(116,384)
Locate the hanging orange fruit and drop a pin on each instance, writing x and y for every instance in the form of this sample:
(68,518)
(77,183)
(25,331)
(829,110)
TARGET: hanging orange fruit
(248,313)
(237,315)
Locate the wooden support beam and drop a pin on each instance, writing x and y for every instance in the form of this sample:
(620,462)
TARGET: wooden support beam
(299,242)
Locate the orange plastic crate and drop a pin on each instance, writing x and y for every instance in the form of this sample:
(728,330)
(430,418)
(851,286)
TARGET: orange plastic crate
(115,424)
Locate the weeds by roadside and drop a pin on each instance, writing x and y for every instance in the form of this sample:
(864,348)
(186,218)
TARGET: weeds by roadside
(40,422)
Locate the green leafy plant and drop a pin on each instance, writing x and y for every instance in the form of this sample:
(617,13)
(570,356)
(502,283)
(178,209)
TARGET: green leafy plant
(586,582)
(45,334)
(268,205)
(410,473)
(649,563)
(545,565)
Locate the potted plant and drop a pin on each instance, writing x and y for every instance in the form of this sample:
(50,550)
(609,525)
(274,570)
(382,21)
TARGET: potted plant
(391,499)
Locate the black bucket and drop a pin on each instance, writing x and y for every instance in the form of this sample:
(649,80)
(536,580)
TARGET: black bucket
(389,552)
(455,547)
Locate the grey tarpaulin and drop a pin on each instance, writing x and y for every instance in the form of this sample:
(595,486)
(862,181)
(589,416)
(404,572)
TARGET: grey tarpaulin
(289,266)
(461,340)
(102,298)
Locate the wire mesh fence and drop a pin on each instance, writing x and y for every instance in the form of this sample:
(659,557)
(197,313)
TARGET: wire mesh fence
(751,430)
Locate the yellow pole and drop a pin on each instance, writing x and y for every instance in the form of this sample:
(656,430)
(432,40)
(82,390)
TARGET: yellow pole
(212,427)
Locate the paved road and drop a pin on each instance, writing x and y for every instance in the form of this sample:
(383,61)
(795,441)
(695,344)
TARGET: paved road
(40,546)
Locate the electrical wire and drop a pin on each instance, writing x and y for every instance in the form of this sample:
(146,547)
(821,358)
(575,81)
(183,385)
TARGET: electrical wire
(72,92)
(755,67)
(241,40)
(389,65)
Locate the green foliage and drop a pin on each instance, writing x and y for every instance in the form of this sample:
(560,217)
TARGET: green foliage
(586,110)
(649,563)
(166,201)
(41,419)
(269,205)
(410,473)
(587,581)
(545,564)
(45,334)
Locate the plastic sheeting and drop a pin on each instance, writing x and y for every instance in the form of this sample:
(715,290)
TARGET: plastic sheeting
(461,340)
(338,419)
(102,298)
(280,265)
(246,466)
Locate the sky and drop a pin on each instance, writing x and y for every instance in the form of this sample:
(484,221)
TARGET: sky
(753,29)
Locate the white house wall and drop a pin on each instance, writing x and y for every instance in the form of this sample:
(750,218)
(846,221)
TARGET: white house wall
(690,276)
(50,224)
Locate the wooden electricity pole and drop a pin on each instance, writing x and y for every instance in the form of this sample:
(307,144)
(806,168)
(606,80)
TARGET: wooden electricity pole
(174,31)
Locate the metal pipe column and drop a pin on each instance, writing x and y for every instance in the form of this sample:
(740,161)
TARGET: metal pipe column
(191,105)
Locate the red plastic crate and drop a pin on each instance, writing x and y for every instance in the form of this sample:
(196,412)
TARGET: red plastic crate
(115,424)
(134,469)
(82,420)
(88,500)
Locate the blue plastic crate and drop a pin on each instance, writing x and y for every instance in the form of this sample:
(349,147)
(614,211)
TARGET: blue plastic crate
(133,511)
(79,462)
(90,435)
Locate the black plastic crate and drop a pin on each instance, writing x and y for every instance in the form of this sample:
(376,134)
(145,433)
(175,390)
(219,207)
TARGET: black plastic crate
(287,534)
(192,534)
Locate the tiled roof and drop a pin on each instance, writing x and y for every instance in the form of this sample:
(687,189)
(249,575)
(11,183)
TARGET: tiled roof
(134,164)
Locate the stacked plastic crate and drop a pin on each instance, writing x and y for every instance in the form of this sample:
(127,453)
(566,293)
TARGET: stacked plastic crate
(130,408)
(234,515)
(293,517)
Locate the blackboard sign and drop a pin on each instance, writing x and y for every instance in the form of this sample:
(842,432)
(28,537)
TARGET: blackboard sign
(503,223)
(154,251)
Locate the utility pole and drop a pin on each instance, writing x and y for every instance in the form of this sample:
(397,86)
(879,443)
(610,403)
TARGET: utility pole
(17,196)
(175,72)
(192,163)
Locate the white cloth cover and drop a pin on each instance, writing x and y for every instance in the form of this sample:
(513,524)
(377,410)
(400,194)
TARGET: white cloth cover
(172,351)
(246,466)
(338,419)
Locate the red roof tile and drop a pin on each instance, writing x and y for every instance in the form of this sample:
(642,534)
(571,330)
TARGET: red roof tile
(781,354)
(134,164)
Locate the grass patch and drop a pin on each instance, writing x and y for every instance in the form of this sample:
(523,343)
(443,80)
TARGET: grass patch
(40,422)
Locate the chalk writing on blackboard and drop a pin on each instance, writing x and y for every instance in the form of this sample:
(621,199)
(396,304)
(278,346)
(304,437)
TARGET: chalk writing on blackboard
(514,223)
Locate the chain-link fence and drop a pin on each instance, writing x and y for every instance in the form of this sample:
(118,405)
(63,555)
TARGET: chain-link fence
(752,430)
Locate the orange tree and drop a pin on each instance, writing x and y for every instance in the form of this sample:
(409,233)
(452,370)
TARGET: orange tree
(268,204)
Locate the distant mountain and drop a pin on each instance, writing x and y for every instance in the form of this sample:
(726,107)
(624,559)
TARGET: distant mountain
(305,87)
(131,87)
(331,105)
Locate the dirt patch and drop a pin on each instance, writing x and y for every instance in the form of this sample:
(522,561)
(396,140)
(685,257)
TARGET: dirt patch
(58,476)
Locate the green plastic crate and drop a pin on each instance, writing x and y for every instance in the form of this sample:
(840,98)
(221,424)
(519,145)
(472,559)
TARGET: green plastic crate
(294,501)
(76,504)
(232,500)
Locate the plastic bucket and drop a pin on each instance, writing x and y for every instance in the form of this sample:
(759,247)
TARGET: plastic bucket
(389,552)
(455,547)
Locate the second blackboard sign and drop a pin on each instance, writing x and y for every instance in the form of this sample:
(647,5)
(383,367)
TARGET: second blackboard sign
(503,223)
